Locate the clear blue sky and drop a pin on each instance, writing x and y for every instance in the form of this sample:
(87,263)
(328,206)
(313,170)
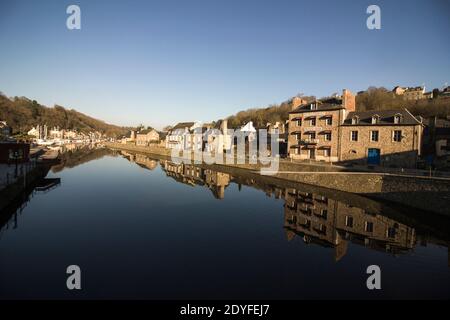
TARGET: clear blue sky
(160,62)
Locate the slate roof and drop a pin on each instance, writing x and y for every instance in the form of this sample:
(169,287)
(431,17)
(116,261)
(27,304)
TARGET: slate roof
(322,105)
(182,125)
(386,117)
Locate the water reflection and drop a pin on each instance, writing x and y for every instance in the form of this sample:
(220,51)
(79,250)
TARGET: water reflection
(317,218)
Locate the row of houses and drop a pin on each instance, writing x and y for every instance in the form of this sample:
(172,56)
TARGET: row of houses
(44,133)
(331,130)
(419,93)
(326,130)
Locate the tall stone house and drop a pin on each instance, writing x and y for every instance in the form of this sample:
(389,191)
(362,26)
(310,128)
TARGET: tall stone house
(314,127)
(331,130)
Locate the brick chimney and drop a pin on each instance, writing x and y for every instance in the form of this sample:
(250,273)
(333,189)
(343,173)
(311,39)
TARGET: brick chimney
(348,100)
(297,101)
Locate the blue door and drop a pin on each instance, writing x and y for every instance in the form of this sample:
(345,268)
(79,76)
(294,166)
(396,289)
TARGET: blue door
(373,156)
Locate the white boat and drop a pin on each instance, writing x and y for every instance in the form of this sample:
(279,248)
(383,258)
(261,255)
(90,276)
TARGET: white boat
(43,142)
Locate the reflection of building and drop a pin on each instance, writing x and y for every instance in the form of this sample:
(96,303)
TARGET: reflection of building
(194,175)
(332,223)
(145,161)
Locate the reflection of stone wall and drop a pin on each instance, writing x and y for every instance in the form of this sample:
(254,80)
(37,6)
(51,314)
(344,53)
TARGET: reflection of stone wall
(331,223)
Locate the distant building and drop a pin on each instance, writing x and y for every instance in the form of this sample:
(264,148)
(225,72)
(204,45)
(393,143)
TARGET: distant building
(411,93)
(147,137)
(39,132)
(56,133)
(181,136)
(218,138)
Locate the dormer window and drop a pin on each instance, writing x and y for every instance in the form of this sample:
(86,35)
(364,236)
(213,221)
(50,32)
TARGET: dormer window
(313,106)
(375,119)
(355,120)
(397,118)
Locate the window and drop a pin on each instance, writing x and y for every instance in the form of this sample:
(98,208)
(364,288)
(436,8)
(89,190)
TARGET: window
(312,135)
(375,119)
(354,136)
(397,135)
(369,226)
(298,136)
(329,121)
(299,122)
(391,232)
(328,136)
(313,122)
(397,118)
(324,213)
(313,106)
(349,221)
(327,152)
(374,135)
(355,120)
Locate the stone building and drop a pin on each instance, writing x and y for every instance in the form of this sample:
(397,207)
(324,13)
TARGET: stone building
(147,137)
(391,138)
(314,127)
(437,142)
(411,93)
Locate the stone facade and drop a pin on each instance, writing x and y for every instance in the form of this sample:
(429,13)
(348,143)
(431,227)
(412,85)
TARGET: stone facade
(146,137)
(381,138)
(331,130)
(314,128)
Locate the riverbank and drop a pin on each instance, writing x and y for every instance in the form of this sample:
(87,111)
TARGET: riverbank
(15,188)
(429,194)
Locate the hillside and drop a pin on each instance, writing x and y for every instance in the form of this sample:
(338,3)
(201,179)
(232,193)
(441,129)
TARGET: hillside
(22,114)
(371,99)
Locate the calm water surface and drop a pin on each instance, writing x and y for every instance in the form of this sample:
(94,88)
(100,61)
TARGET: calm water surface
(149,229)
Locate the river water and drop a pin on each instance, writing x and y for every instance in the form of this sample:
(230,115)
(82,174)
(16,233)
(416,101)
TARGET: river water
(144,228)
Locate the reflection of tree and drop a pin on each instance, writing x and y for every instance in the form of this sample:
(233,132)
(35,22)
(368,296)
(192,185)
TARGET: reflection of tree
(76,157)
